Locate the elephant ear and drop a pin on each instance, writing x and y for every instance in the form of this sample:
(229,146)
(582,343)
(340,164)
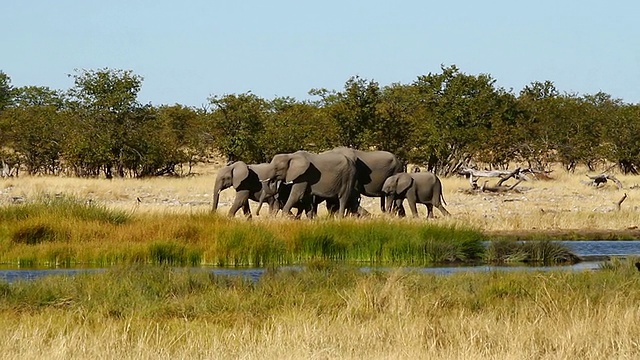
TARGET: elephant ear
(239,174)
(298,165)
(404,182)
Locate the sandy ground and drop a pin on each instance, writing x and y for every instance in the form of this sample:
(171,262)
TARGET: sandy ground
(561,203)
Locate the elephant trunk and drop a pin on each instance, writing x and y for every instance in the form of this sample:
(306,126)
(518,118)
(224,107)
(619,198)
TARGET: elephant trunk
(216,194)
(216,198)
(388,204)
(263,195)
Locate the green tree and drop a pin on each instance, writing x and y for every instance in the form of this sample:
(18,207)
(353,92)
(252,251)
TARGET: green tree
(237,123)
(354,110)
(6,91)
(459,111)
(537,135)
(35,128)
(187,129)
(394,130)
(291,126)
(579,126)
(620,138)
(107,107)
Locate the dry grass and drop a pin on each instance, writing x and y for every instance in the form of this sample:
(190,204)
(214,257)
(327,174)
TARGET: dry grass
(328,316)
(562,203)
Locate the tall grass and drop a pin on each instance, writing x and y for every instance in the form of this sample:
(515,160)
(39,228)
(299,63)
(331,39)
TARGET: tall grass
(536,251)
(64,208)
(64,231)
(328,311)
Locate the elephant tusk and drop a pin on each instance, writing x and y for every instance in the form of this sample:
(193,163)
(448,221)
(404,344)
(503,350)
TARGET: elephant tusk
(265,180)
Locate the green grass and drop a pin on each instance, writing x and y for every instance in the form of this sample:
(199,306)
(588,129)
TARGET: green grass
(535,251)
(65,232)
(62,208)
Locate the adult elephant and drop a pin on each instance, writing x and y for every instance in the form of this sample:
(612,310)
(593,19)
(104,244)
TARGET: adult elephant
(329,175)
(417,188)
(372,169)
(246,180)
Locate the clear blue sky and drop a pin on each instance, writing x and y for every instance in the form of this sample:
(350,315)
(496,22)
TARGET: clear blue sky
(188,50)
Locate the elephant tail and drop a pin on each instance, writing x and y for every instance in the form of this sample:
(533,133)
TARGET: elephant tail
(442,198)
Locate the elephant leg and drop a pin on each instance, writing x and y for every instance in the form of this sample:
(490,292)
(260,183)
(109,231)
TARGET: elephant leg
(274,207)
(333,206)
(239,201)
(311,207)
(413,207)
(429,210)
(382,204)
(296,195)
(362,212)
(344,202)
(353,206)
(443,210)
(246,209)
(399,209)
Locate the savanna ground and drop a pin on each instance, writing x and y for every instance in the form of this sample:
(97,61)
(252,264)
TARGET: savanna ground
(563,204)
(332,311)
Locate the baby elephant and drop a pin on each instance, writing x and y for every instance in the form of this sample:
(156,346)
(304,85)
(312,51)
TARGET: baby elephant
(423,187)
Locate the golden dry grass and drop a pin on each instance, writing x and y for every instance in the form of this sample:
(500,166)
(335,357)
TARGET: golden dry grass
(562,203)
(389,316)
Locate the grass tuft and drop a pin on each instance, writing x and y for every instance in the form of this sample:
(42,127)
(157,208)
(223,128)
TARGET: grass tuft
(535,251)
(33,234)
(63,207)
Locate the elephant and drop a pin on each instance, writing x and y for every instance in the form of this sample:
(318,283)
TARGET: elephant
(246,180)
(281,196)
(315,177)
(372,169)
(423,187)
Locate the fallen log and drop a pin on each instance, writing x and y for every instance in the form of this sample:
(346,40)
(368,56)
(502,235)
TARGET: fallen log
(498,188)
(504,175)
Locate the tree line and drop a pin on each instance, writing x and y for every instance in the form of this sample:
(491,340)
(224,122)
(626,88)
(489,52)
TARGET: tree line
(442,121)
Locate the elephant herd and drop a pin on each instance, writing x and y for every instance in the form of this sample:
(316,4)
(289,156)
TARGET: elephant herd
(339,177)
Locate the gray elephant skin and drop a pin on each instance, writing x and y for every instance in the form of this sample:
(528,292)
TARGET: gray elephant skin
(329,175)
(246,180)
(280,193)
(417,188)
(372,169)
